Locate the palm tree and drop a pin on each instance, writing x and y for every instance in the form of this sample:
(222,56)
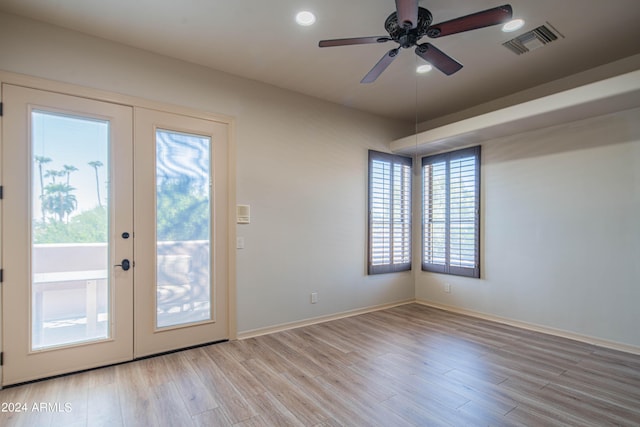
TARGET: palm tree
(42,160)
(53,174)
(68,169)
(95,165)
(59,201)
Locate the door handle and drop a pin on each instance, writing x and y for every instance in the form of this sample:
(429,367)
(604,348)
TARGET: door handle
(125,265)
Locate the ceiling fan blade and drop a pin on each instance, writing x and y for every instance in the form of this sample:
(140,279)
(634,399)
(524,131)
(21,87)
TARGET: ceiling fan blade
(407,13)
(354,40)
(438,58)
(486,18)
(382,65)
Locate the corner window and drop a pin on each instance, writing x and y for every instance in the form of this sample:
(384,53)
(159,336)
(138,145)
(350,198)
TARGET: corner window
(389,213)
(451,213)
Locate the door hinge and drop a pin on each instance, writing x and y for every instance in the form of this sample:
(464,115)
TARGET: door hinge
(1,109)
(2,358)
(1,275)
(1,192)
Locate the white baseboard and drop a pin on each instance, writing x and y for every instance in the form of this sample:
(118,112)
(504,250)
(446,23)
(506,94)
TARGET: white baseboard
(537,328)
(315,320)
(511,322)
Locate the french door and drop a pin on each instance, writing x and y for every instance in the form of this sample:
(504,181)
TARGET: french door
(114,233)
(181,231)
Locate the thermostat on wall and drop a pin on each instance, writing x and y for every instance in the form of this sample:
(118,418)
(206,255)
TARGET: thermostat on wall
(243,214)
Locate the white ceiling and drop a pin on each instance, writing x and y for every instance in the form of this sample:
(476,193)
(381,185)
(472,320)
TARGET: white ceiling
(259,40)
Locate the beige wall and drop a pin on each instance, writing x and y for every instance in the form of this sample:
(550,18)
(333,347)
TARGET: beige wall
(301,165)
(560,231)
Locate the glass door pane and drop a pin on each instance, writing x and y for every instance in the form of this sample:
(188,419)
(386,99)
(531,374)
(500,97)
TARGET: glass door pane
(69,230)
(182,214)
(183,228)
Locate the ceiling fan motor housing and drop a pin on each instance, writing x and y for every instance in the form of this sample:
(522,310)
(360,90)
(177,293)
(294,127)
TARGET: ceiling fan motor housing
(408,37)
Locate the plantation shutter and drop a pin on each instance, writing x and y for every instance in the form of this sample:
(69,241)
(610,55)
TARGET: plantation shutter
(451,212)
(389,213)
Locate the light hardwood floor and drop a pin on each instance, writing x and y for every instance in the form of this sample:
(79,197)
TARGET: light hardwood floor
(405,366)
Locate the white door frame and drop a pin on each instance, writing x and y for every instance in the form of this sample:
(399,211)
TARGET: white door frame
(29,362)
(132,101)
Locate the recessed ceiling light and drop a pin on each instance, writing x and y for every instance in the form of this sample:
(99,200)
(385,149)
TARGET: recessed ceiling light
(513,25)
(425,68)
(305,18)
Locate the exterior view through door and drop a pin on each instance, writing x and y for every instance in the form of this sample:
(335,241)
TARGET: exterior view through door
(87,282)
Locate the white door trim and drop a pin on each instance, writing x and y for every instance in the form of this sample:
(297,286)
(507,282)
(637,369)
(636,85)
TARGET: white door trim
(133,101)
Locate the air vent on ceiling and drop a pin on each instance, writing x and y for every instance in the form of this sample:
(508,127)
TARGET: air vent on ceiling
(533,39)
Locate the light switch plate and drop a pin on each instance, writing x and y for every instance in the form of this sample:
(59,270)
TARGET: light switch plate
(243,214)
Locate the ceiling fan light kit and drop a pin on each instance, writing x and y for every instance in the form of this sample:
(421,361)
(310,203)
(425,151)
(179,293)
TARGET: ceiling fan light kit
(410,23)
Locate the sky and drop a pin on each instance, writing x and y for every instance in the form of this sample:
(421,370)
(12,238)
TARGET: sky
(76,141)
(73,141)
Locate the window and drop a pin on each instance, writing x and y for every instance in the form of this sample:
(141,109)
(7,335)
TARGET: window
(451,213)
(389,213)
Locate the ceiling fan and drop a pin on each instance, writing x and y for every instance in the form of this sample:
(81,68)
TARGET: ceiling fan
(409,23)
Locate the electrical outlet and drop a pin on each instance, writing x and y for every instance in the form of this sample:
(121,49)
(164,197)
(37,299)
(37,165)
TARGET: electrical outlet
(239,242)
(447,288)
(314,297)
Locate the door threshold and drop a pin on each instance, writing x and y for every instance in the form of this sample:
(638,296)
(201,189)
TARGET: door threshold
(164,353)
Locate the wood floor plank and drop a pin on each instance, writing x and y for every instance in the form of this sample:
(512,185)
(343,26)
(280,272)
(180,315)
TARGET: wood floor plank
(606,394)
(618,357)
(101,377)
(297,401)
(604,381)
(410,365)
(354,384)
(213,417)
(493,400)
(513,362)
(591,406)
(103,406)
(71,401)
(236,373)
(272,412)
(482,414)
(533,416)
(340,412)
(425,412)
(242,350)
(293,356)
(196,396)
(231,401)
(367,408)
(133,392)
(13,399)
(41,393)
(169,408)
